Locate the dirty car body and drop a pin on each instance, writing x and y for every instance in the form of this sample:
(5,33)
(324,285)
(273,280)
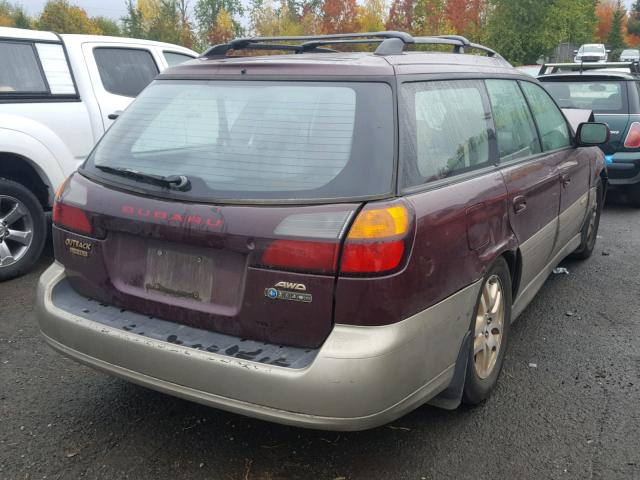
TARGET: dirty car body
(326,261)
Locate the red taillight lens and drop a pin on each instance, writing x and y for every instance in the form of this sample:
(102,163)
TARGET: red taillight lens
(377,240)
(302,255)
(71,218)
(371,257)
(68,216)
(633,137)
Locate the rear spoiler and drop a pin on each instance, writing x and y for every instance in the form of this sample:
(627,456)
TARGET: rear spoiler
(549,68)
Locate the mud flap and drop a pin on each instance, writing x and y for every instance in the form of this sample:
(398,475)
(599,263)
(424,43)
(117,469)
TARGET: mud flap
(451,397)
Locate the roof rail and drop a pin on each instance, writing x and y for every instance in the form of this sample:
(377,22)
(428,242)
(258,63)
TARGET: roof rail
(550,68)
(391,43)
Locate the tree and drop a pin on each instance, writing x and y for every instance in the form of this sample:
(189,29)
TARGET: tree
(466,17)
(615,39)
(58,16)
(339,16)
(604,14)
(401,15)
(107,26)
(223,30)
(206,14)
(14,15)
(633,23)
(163,22)
(429,18)
(371,16)
(133,22)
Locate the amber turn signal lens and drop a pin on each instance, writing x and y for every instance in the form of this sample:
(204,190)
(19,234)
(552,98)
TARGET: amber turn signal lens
(380,223)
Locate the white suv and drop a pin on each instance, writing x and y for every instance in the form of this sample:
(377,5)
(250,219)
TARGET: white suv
(58,95)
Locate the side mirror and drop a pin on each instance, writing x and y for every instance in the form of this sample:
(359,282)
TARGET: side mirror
(114,115)
(608,51)
(591,134)
(575,52)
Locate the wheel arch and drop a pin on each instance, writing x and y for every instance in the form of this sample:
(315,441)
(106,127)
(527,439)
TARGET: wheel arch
(24,171)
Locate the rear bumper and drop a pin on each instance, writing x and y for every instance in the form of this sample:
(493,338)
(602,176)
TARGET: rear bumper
(362,377)
(625,169)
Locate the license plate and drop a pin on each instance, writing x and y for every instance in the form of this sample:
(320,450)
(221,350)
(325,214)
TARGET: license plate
(177,274)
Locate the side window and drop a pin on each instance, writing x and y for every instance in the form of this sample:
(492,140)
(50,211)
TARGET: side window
(20,72)
(515,130)
(550,120)
(446,129)
(175,58)
(125,71)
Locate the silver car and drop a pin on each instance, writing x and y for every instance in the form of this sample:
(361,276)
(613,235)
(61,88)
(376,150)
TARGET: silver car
(630,55)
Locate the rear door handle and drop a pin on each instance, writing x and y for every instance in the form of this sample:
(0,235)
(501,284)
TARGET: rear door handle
(519,204)
(565,180)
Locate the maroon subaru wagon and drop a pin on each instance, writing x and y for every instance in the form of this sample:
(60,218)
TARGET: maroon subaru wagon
(320,238)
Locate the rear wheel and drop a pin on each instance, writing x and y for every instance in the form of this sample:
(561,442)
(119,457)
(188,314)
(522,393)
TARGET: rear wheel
(490,328)
(590,229)
(22,229)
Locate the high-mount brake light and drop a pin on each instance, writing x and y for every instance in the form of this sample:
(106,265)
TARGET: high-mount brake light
(633,136)
(67,216)
(377,240)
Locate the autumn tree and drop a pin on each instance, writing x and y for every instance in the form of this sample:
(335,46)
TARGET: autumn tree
(429,18)
(61,17)
(339,16)
(133,22)
(223,30)
(206,15)
(633,23)
(604,14)
(401,15)
(371,16)
(466,17)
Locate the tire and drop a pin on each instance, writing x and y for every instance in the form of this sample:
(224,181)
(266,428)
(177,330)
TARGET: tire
(23,229)
(589,234)
(490,327)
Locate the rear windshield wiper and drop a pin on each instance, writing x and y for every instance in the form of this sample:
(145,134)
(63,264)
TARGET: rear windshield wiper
(176,182)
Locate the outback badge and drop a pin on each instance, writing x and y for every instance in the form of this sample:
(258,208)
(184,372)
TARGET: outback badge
(295,292)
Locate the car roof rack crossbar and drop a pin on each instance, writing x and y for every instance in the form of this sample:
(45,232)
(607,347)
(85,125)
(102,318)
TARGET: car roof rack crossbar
(390,43)
(550,68)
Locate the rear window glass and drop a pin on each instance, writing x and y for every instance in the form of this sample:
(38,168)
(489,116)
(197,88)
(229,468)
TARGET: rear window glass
(125,71)
(20,72)
(259,140)
(445,128)
(601,96)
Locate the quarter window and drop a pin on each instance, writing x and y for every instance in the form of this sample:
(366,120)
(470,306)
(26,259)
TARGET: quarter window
(20,72)
(125,71)
(446,128)
(515,130)
(550,120)
(175,58)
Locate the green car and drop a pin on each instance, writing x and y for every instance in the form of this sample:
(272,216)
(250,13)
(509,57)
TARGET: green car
(612,92)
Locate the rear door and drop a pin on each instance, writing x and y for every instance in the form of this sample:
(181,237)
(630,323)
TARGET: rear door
(531,177)
(119,72)
(573,164)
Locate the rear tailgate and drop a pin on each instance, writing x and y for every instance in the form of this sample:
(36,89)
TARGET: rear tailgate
(201,265)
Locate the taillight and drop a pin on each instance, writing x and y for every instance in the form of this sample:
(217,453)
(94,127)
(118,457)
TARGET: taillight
(377,240)
(67,212)
(633,136)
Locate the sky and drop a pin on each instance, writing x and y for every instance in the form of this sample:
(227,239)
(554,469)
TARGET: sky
(110,8)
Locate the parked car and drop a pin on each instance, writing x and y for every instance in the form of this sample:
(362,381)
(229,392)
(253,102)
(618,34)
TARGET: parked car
(591,52)
(58,94)
(532,70)
(612,94)
(630,55)
(267,236)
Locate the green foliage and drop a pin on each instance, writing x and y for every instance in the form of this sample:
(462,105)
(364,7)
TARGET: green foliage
(633,23)
(133,22)
(14,15)
(524,30)
(107,26)
(615,39)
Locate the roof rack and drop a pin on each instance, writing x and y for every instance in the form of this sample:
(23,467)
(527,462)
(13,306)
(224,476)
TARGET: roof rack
(550,68)
(390,43)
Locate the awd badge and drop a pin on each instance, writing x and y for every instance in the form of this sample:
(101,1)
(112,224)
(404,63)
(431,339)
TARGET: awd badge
(294,292)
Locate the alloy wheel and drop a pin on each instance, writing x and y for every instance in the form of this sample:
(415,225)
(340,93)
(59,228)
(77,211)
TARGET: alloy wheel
(16,230)
(489,327)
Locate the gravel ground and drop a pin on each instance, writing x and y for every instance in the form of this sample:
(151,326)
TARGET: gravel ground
(567,405)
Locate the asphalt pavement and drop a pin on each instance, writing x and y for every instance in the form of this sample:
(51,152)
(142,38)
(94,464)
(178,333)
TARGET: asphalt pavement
(567,405)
